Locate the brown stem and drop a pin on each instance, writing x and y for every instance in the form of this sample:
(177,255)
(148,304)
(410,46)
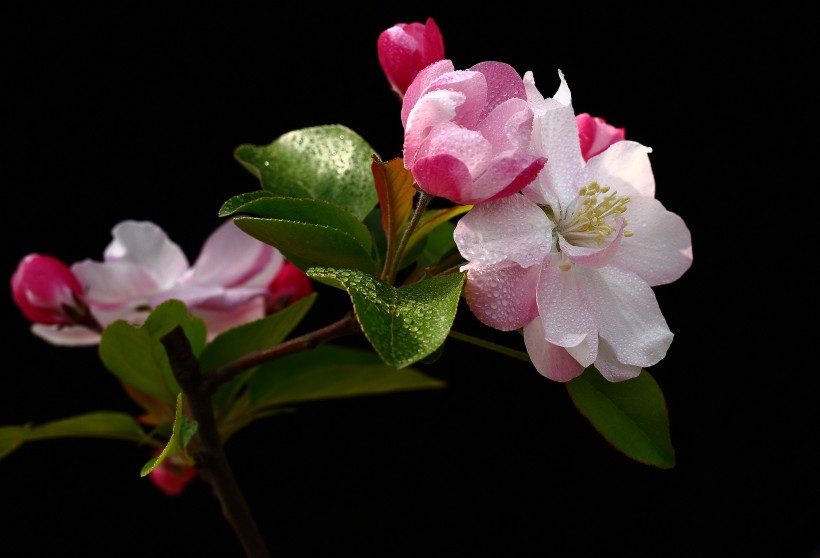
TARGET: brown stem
(421,206)
(346,326)
(210,457)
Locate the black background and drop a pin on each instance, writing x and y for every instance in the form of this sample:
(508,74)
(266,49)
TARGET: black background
(135,112)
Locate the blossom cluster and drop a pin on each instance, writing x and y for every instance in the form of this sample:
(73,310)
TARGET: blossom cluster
(565,239)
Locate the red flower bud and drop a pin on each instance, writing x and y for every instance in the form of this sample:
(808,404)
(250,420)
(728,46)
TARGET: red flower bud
(407,48)
(289,285)
(172,476)
(46,290)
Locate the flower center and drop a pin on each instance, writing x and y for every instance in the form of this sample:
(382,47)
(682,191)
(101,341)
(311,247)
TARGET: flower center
(592,216)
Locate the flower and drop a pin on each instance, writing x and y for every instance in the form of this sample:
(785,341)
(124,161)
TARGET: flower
(562,261)
(407,48)
(467,132)
(46,290)
(289,285)
(172,476)
(142,267)
(596,135)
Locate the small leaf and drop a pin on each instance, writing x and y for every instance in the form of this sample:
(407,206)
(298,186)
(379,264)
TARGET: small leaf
(189,428)
(631,415)
(394,187)
(136,355)
(174,445)
(99,424)
(331,372)
(326,162)
(234,204)
(310,232)
(403,324)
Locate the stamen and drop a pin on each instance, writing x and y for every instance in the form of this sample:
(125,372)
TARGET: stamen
(588,221)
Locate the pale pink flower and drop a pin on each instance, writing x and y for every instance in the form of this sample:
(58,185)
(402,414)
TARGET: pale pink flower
(467,133)
(407,48)
(572,259)
(141,268)
(46,290)
(596,134)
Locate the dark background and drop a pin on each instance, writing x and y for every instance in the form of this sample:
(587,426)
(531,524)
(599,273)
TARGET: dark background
(135,112)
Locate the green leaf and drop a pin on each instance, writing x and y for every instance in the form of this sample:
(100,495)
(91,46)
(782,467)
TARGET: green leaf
(136,355)
(310,232)
(331,372)
(403,324)
(631,415)
(99,424)
(326,162)
(234,204)
(174,445)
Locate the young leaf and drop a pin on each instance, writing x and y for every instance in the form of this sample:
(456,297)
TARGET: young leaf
(99,424)
(403,324)
(394,186)
(434,218)
(136,356)
(310,232)
(326,162)
(174,445)
(631,415)
(330,372)
(234,204)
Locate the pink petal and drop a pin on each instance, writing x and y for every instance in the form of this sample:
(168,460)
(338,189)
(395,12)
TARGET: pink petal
(625,168)
(509,126)
(211,297)
(219,321)
(502,295)
(472,85)
(550,360)
(503,82)
(596,135)
(434,109)
(468,146)
(511,228)
(444,176)
(420,83)
(507,175)
(230,257)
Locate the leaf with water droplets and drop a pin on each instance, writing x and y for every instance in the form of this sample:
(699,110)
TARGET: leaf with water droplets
(631,415)
(403,324)
(325,162)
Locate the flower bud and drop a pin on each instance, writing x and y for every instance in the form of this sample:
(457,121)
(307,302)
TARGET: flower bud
(289,285)
(172,476)
(47,291)
(596,135)
(407,48)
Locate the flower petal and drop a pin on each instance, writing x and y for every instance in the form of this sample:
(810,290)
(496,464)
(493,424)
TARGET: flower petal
(502,296)
(660,249)
(509,126)
(565,312)
(511,228)
(116,283)
(444,176)
(593,257)
(609,367)
(144,244)
(627,316)
(420,83)
(550,360)
(506,176)
(219,321)
(211,297)
(625,168)
(230,258)
(433,109)
(67,336)
(503,83)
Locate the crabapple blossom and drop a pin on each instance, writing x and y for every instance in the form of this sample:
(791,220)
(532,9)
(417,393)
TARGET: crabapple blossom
(574,257)
(142,267)
(467,133)
(407,48)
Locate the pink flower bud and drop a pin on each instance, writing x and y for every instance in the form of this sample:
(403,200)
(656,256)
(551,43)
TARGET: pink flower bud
(407,48)
(172,476)
(596,135)
(46,290)
(289,285)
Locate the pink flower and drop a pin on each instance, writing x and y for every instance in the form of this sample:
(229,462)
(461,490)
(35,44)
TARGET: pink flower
(574,257)
(46,290)
(172,476)
(407,48)
(289,285)
(596,135)
(467,133)
(141,268)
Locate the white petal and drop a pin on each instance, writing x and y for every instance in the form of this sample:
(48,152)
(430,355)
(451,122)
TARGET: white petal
(146,245)
(627,315)
(511,228)
(624,166)
(115,283)
(609,367)
(220,321)
(564,310)
(660,248)
(69,336)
